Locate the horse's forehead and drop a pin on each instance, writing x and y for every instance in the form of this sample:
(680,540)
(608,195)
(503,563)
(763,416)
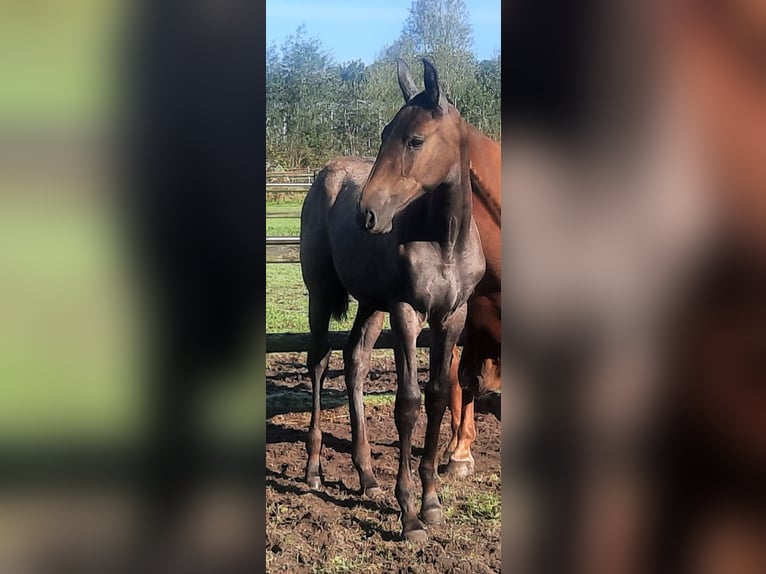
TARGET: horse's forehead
(416,118)
(412,116)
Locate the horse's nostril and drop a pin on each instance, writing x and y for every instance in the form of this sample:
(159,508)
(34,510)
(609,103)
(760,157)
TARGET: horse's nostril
(369,219)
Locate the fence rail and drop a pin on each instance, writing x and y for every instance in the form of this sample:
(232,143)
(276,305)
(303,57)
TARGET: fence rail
(286,249)
(283,249)
(297,186)
(299,342)
(284,213)
(290,176)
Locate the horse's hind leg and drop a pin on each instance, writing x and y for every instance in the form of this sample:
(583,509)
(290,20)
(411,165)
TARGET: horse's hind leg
(455,405)
(317,362)
(356,359)
(461,461)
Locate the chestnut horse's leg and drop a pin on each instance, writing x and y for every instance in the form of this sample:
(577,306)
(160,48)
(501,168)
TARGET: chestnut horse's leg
(461,460)
(405,324)
(455,406)
(444,336)
(318,360)
(356,360)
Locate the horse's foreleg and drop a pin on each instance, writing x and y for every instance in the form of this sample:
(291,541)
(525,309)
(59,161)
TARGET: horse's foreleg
(405,324)
(318,360)
(356,359)
(455,405)
(444,338)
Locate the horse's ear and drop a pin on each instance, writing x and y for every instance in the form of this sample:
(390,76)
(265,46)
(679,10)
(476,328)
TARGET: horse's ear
(406,83)
(431,80)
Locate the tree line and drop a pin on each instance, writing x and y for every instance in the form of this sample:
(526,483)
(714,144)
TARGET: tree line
(317,108)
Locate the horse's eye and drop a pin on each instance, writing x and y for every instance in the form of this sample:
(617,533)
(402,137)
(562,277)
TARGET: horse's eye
(415,142)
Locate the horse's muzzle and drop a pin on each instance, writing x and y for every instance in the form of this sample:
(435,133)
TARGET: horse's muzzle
(366,219)
(374,220)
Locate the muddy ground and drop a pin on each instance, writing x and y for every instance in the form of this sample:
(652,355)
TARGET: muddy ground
(339,531)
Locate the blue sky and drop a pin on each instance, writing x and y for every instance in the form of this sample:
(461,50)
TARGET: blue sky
(359,29)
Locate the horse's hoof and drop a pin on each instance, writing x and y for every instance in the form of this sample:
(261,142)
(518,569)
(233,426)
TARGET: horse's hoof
(415,536)
(314,482)
(460,468)
(447,456)
(374,492)
(432,516)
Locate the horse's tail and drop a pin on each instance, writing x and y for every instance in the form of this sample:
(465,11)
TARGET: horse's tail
(340,300)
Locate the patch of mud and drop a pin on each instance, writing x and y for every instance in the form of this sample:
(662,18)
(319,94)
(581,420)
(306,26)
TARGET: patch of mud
(338,530)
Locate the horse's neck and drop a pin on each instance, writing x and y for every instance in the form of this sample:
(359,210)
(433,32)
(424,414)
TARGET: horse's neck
(485,157)
(452,208)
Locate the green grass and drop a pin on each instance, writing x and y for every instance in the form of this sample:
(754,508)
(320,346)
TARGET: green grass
(292,400)
(293,204)
(287,302)
(482,506)
(382,399)
(286,295)
(464,506)
(283,226)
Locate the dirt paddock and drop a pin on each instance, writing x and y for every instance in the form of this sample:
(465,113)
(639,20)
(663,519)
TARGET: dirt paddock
(339,531)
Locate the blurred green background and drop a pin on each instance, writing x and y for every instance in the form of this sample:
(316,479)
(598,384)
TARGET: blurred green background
(69,328)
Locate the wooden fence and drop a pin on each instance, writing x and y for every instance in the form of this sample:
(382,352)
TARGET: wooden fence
(286,249)
(281,250)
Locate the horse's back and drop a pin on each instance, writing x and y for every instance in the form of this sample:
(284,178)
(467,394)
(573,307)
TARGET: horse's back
(481,352)
(487,200)
(331,179)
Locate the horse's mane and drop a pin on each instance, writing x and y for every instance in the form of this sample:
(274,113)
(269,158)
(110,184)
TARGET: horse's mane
(479,188)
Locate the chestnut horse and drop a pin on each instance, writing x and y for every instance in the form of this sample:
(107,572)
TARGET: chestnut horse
(403,242)
(479,370)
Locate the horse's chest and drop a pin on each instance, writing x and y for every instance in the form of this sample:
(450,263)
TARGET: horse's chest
(436,287)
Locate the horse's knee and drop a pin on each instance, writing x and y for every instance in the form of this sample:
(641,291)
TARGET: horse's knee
(407,407)
(437,393)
